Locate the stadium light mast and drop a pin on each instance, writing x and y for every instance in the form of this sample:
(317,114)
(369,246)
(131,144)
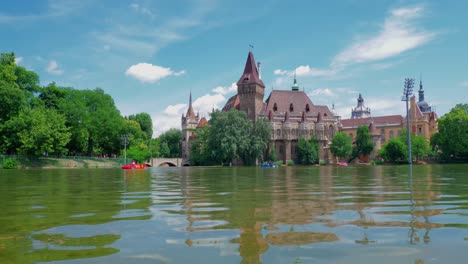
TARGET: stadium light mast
(407,92)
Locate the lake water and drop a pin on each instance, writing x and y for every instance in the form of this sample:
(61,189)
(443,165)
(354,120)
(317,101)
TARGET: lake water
(327,214)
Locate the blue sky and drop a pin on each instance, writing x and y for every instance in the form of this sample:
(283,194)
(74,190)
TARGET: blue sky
(149,55)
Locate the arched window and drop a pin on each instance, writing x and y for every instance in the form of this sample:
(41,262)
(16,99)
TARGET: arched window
(275,107)
(331,131)
(382,132)
(291,107)
(278,132)
(391,134)
(307,108)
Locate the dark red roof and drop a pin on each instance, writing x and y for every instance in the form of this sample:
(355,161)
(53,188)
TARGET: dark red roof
(250,75)
(378,121)
(203,122)
(232,103)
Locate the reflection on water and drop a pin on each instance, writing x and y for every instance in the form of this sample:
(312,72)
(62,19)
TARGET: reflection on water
(327,214)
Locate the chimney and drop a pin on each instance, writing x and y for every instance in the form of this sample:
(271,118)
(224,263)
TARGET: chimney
(259,73)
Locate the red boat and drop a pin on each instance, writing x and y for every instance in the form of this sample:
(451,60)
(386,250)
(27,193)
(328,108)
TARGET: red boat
(132,166)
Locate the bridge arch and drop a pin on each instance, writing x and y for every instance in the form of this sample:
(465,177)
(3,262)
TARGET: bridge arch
(167,164)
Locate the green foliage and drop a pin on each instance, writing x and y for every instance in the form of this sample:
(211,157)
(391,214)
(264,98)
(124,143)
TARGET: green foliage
(279,162)
(170,143)
(452,138)
(232,136)
(308,151)
(37,131)
(139,153)
(394,150)
(364,144)
(200,152)
(146,123)
(9,164)
(419,145)
(272,154)
(341,145)
(290,163)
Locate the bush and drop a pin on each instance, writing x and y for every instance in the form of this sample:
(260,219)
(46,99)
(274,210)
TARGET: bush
(322,162)
(9,164)
(279,162)
(290,163)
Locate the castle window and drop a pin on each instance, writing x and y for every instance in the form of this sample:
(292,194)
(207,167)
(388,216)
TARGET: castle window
(419,130)
(391,134)
(275,107)
(325,114)
(278,132)
(382,131)
(307,108)
(281,149)
(291,108)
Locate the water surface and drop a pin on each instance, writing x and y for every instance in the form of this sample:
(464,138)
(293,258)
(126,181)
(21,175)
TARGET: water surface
(327,214)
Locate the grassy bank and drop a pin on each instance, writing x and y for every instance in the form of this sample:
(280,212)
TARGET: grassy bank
(24,162)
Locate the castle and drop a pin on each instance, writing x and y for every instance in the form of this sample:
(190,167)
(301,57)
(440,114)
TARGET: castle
(293,115)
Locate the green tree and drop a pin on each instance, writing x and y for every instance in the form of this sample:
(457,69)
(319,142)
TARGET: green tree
(419,146)
(170,140)
(12,98)
(341,145)
(38,131)
(200,152)
(363,142)
(230,138)
(146,123)
(452,138)
(308,151)
(258,137)
(394,150)
(139,152)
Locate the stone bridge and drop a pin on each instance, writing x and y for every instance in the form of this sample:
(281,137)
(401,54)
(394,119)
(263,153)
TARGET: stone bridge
(166,162)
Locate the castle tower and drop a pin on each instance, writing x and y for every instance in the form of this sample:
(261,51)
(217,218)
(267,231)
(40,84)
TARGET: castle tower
(189,123)
(250,89)
(360,111)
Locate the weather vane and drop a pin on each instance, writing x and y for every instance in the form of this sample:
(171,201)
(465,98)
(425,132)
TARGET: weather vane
(251,46)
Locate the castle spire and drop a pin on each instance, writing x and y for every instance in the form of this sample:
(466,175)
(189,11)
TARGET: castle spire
(295,87)
(421,91)
(190,112)
(250,75)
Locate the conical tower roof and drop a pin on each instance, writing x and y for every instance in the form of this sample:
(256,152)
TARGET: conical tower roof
(250,75)
(190,112)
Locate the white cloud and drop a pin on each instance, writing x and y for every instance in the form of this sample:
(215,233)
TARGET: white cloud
(280,72)
(207,102)
(398,34)
(53,68)
(305,70)
(146,72)
(225,90)
(322,92)
(464,84)
(175,110)
(142,10)
(18,60)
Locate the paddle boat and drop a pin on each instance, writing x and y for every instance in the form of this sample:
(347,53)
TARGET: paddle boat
(268,165)
(343,164)
(135,166)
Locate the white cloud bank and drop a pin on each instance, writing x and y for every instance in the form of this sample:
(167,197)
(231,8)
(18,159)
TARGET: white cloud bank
(149,73)
(53,68)
(170,117)
(398,34)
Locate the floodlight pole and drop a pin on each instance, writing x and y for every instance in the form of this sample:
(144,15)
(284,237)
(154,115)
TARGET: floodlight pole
(407,92)
(125,138)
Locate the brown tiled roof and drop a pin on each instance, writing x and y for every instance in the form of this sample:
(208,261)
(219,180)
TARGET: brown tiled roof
(378,121)
(299,100)
(250,75)
(232,103)
(203,122)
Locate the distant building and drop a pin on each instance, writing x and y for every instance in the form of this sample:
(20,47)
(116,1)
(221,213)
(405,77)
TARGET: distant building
(291,113)
(423,120)
(360,111)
